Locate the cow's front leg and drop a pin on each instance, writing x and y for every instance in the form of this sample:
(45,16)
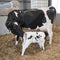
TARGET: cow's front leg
(50,33)
(16,38)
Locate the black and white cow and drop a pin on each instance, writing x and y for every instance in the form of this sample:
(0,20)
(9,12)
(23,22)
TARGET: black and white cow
(32,19)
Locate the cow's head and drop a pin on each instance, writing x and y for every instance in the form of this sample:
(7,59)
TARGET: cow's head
(17,30)
(14,27)
(14,16)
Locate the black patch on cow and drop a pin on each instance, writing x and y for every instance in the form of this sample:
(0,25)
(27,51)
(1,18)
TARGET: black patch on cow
(8,24)
(34,18)
(44,19)
(37,36)
(30,37)
(51,13)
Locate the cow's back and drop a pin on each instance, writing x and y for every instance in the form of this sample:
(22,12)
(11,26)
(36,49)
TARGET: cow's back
(33,17)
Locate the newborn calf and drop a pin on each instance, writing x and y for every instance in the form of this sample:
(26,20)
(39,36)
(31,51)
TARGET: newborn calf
(33,37)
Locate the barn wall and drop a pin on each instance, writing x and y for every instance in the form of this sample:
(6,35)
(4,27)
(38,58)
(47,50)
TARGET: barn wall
(20,1)
(3,29)
(39,3)
(27,4)
(57,20)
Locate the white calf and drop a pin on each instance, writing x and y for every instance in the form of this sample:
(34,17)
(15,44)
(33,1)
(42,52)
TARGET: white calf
(33,37)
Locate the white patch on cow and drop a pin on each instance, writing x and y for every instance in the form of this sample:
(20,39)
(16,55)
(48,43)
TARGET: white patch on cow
(42,28)
(16,13)
(37,28)
(15,23)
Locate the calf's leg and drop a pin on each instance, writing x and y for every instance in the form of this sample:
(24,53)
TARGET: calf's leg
(41,43)
(25,45)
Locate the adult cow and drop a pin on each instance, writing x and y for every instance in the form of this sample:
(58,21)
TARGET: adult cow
(33,19)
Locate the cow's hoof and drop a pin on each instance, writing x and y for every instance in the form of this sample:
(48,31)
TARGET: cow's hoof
(16,42)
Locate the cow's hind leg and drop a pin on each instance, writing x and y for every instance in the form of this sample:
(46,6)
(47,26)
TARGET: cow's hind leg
(50,33)
(16,38)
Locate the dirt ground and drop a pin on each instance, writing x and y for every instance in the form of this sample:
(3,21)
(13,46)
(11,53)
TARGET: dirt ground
(8,50)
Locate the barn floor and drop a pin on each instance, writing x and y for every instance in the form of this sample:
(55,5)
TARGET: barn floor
(8,50)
